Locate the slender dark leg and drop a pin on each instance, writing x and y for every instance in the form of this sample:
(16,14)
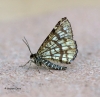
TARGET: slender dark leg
(37,66)
(25,64)
(48,69)
(38,69)
(28,67)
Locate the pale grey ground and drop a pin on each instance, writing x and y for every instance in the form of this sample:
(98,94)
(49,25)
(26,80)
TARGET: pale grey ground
(81,79)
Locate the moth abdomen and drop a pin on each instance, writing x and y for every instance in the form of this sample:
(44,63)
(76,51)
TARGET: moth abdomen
(50,65)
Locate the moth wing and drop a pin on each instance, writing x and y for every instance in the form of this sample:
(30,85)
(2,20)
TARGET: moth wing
(59,45)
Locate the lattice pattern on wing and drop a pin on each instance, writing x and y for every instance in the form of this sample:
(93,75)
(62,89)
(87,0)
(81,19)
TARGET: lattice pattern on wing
(59,45)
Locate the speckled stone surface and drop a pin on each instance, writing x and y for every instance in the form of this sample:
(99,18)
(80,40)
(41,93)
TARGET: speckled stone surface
(82,77)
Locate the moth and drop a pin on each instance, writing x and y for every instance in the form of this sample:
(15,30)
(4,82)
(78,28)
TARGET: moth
(59,46)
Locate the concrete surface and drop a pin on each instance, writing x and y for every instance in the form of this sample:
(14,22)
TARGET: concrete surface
(81,79)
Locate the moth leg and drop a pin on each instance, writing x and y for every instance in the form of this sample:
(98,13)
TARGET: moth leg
(28,67)
(47,68)
(38,69)
(37,66)
(25,64)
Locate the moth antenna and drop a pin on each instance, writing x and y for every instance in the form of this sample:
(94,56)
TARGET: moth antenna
(26,42)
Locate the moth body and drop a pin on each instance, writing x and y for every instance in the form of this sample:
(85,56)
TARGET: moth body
(35,58)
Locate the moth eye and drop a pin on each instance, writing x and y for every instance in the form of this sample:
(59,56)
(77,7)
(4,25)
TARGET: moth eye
(31,56)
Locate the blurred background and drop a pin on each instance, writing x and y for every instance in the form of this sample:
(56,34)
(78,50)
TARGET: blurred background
(17,9)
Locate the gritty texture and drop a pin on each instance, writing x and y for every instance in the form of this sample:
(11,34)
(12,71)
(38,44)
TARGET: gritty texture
(82,77)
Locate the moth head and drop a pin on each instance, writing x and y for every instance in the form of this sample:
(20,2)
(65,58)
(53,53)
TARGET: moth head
(26,42)
(32,56)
